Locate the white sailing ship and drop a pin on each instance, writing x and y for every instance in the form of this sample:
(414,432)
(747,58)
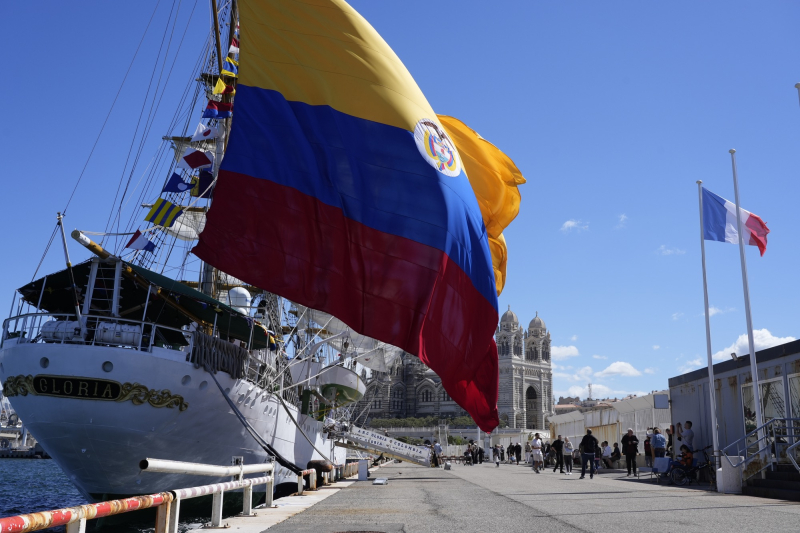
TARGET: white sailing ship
(110,361)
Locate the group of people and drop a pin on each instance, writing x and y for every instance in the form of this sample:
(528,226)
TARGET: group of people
(562,455)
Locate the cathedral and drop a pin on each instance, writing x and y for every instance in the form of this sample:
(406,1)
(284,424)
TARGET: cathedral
(410,389)
(526,377)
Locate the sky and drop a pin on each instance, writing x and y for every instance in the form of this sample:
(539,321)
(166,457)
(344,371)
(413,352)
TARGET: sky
(612,111)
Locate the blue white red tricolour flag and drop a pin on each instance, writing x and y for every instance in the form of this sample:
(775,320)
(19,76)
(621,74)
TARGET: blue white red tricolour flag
(140,242)
(719,223)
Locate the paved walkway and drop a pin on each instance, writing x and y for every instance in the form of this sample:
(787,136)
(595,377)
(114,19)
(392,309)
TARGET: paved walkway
(512,499)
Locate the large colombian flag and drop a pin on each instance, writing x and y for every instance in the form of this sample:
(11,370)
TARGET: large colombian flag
(341,190)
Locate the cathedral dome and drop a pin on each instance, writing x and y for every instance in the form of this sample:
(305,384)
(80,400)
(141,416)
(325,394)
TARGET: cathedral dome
(509,316)
(537,322)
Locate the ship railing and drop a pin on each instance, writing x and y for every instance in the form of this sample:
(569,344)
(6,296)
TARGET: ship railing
(93,330)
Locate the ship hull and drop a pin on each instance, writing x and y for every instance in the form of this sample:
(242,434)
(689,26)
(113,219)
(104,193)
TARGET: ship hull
(98,442)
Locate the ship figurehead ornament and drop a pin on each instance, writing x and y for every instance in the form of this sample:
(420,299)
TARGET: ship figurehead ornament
(437,148)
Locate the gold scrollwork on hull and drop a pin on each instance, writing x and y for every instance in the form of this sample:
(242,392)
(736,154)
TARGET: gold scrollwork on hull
(140,394)
(91,389)
(18,386)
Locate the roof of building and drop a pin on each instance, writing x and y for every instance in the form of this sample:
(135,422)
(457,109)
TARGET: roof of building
(743,361)
(537,322)
(509,316)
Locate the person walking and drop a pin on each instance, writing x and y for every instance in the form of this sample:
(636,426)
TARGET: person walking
(630,448)
(537,459)
(558,447)
(518,452)
(496,455)
(588,446)
(568,451)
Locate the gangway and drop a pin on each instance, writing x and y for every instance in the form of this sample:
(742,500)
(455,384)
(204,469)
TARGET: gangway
(370,441)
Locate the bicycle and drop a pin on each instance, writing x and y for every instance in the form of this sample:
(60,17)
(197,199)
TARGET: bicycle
(681,475)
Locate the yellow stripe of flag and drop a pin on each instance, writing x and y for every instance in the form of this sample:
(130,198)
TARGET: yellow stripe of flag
(163,213)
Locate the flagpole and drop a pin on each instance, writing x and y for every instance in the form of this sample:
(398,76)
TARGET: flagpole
(711,381)
(750,343)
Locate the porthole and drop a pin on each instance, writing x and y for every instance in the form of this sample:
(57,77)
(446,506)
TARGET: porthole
(186,380)
(44,362)
(108,366)
(203,385)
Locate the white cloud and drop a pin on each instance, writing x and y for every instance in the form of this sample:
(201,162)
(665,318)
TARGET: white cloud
(664,250)
(676,316)
(623,219)
(582,374)
(694,364)
(573,338)
(601,357)
(656,346)
(650,370)
(563,352)
(598,391)
(573,224)
(618,368)
(717,311)
(762,339)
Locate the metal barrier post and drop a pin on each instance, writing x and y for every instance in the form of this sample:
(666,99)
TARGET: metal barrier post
(162,517)
(172,526)
(247,496)
(270,488)
(300,484)
(77,527)
(216,509)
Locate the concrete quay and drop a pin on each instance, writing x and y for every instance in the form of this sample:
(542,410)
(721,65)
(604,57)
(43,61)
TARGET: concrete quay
(513,498)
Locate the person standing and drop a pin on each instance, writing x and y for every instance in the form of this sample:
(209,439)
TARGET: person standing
(496,455)
(686,435)
(474,453)
(568,451)
(648,451)
(537,459)
(480,455)
(588,446)
(658,443)
(558,447)
(527,452)
(437,451)
(630,448)
(510,452)
(518,452)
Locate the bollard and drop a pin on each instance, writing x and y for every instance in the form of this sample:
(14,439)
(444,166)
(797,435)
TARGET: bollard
(300,484)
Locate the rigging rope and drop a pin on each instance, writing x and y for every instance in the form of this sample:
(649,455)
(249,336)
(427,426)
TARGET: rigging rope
(112,108)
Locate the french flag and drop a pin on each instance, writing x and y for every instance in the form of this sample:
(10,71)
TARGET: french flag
(140,242)
(719,223)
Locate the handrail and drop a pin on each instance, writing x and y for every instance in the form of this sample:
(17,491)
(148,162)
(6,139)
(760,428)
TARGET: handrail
(770,433)
(167,503)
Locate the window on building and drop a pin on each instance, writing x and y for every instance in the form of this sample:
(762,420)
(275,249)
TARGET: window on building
(426,396)
(376,404)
